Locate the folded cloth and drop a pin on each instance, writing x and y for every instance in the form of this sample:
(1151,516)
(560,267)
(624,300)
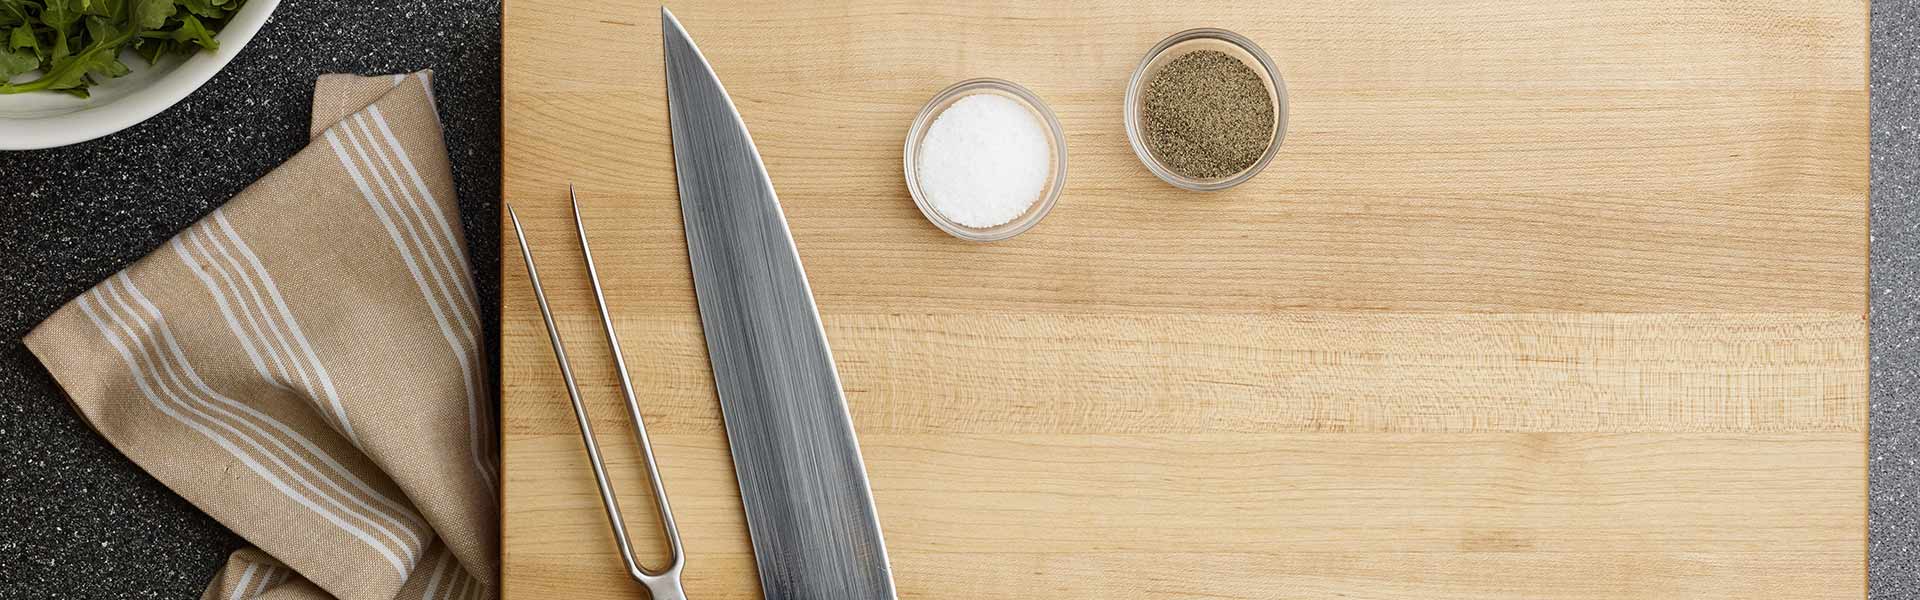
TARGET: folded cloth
(304,364)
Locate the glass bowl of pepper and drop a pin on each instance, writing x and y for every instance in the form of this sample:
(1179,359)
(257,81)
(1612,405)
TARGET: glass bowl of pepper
(1206,109)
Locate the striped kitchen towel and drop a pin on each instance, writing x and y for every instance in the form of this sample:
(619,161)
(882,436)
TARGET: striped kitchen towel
(304,364)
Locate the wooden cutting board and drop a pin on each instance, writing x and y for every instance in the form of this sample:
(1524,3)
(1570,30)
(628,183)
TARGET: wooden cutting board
(1538,300)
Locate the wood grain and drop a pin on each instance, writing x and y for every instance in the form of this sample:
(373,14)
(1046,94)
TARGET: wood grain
(1538,300)
(1302,575)
(991,373)
(1487,502)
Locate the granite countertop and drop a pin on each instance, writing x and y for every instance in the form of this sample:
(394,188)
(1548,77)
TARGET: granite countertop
(1893,454)
(78,520)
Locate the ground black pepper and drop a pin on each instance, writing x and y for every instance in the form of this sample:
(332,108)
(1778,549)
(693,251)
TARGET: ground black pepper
(1207,115)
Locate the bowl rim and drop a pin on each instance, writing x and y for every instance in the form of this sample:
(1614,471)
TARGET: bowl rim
(1056,136)
(160,94)
(1131,109)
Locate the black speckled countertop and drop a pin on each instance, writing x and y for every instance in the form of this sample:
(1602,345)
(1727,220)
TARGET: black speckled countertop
(79,521)
(1893,455)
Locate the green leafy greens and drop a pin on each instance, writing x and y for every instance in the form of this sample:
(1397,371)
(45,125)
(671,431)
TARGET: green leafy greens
(74,44)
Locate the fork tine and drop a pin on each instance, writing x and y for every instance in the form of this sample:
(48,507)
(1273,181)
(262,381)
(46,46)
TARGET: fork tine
(665,583)
(573,393)
(672,531)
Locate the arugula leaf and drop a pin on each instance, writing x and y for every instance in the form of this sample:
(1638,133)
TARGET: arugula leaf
(152,49)
(99,29)
(204,8)
(104,64)
(59,14)
(23,39)
(113,10)
(71,72)
(78,43)
(192,31)
(12,13)
(96,8)
(59,47)
(15,62)
(151,14)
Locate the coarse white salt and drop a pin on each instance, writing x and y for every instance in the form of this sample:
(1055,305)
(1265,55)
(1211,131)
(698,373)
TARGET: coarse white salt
(983,162)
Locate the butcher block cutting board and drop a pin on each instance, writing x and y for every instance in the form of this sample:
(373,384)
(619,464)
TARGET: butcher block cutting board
(1538,300)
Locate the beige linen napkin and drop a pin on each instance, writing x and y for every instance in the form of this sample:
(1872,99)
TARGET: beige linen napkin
(304,364)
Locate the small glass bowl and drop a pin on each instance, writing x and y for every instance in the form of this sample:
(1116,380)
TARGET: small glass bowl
(1177,45)
(1056,167)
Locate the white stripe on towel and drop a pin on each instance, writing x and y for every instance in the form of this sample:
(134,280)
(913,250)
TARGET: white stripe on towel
(392,513)
(123,338)
(405,243)
(240,588)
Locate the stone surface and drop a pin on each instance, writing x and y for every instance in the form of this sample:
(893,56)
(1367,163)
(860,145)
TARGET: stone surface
(1893,469)
(78,520)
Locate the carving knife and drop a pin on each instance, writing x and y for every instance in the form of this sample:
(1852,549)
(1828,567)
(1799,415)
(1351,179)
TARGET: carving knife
(809,511)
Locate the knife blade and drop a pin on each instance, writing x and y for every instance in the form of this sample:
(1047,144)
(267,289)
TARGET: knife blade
(810,513)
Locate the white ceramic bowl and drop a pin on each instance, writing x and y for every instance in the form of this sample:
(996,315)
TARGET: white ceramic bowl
(46,119)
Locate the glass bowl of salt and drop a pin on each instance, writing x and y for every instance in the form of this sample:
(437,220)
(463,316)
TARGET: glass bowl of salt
(985,160)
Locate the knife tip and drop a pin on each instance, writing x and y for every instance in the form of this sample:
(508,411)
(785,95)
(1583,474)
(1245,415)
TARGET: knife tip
(667,20)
